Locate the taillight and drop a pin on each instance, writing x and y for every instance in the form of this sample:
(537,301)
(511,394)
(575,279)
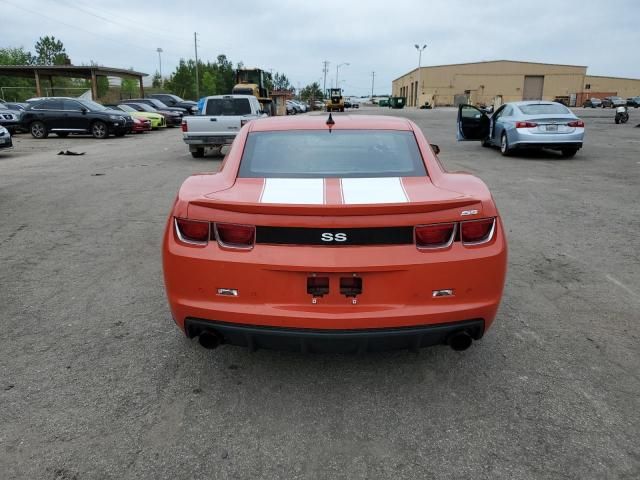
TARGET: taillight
(526,125)
(184,126)
(576,123)
(475,232)
(438,235)
(234,235)
(192,231)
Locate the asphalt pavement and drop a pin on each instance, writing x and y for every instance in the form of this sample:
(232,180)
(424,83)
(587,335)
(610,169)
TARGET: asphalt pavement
(96,382)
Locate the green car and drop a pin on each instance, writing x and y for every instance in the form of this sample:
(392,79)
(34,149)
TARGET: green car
(157,120)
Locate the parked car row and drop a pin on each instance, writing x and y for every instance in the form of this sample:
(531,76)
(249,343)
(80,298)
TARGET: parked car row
(63,116)
(612,102)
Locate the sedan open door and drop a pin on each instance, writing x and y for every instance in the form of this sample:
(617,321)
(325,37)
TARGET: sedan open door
(473,124)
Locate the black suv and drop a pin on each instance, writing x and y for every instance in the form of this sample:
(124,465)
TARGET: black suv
(62,116)
(175,101)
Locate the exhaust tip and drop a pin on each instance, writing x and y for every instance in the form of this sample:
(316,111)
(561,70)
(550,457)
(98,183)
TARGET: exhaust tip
(460,341)
(209,340)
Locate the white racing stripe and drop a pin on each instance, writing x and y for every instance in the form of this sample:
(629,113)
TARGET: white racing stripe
(373,190)
(306,191)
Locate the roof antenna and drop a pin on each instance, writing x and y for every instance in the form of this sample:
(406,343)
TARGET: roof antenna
(330,121)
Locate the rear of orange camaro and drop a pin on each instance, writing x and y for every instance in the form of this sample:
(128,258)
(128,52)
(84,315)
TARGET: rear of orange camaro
(339,236)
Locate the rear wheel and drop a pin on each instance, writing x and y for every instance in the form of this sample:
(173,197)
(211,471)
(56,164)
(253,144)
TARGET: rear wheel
(486,142)
(99,130)
(505,149)
(38,130)
(569,152)
(199,153)
(62,134)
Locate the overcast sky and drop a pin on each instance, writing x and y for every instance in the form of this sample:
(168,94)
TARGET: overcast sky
(294,37)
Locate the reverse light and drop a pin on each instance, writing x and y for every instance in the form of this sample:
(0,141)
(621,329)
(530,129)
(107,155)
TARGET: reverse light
(475,232)
(192,231)
(438,235)
(576,123)
(526,125)
(235,235)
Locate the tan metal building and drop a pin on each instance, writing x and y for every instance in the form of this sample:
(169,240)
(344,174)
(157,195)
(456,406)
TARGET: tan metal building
(500,81)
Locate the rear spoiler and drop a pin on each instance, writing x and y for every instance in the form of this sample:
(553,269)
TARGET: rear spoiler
(334,209)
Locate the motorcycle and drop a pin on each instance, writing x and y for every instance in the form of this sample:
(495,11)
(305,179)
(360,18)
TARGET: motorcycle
(622,115)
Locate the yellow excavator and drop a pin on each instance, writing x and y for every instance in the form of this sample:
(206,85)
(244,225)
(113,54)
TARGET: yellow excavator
(335,102)
(252,81)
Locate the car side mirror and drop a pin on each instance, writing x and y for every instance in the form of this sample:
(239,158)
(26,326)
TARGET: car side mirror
(435,148)
(84,110)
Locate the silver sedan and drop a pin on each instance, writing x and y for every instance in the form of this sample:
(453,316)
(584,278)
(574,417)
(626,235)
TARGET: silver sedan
(523,125)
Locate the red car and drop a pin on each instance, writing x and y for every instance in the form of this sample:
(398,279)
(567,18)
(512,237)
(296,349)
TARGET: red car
(334,235)
(141,125)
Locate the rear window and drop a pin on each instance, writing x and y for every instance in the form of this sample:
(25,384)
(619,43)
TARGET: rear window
(228,106)
(325,154)
(543,109)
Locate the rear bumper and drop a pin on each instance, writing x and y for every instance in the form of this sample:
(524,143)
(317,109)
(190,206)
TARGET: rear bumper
(523,139)
(333,341)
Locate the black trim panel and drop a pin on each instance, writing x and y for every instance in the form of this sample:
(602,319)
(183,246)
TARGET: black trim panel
(335,236)
(333,341)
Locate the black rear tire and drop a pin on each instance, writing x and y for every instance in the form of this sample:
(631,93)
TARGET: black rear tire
(199,153)
(569,152)
(38,130)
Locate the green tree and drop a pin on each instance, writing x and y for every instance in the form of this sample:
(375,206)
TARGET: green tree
(208,83)
(281,82)
(50,51)
(128,87)
(16,89)
(311,92)
(157,80)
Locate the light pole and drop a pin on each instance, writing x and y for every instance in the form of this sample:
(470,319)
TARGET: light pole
(419,66)
(420,55)
(338,68)
(159,50)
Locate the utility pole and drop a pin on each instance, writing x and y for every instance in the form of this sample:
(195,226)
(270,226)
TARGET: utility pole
(195,43)
(159,50)
(325,69)
(373,78)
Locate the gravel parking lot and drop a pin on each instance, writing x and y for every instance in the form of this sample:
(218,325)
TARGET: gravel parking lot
(96,382)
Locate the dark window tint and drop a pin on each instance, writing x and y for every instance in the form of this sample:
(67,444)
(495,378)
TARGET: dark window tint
(228,106)
(50,105)
(325,154)
(543,109)
(71,105)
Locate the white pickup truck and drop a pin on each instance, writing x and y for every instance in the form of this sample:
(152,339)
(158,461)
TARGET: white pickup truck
(220,120)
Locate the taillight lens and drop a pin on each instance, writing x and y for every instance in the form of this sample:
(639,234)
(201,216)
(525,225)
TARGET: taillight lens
(438,235)
(477,231)
(192,231)
(526,125)
(234,235)
(184,126)
(576,123)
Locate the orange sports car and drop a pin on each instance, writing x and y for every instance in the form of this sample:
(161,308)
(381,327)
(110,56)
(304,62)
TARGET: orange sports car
(339,235)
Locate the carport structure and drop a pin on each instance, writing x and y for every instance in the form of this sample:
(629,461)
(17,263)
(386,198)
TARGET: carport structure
(90,72)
